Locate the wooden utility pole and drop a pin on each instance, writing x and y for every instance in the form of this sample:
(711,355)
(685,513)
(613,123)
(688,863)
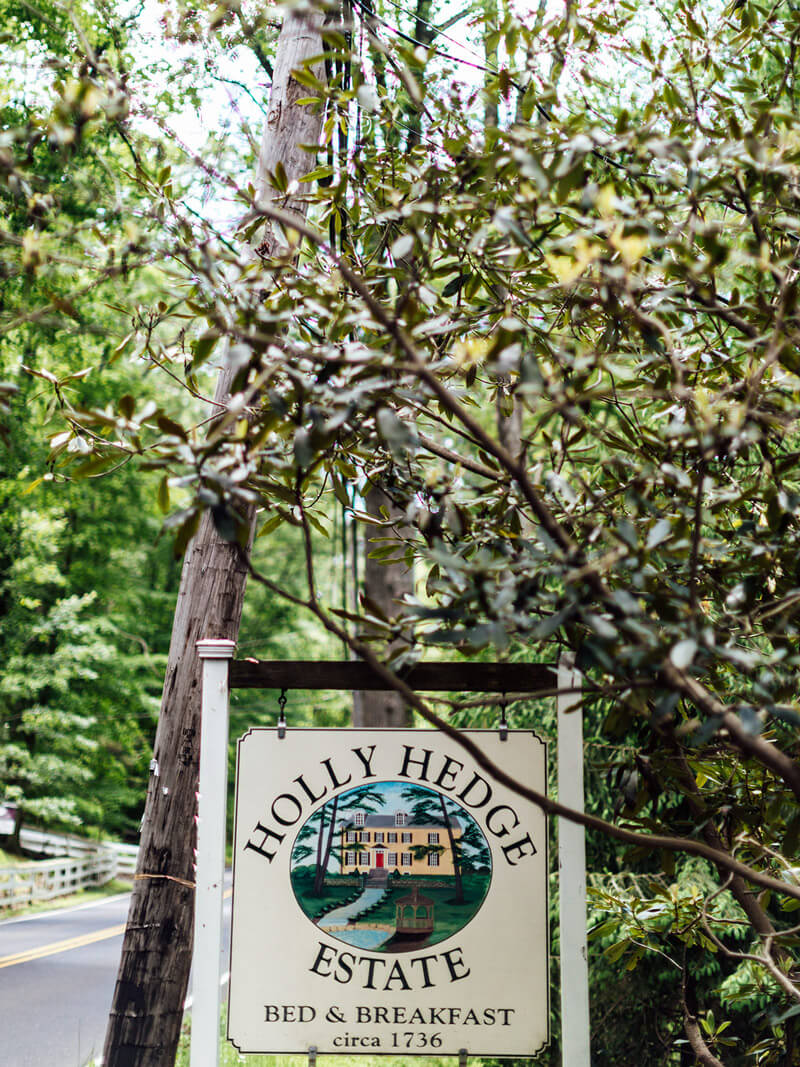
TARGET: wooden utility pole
(147,1008)
(384,584)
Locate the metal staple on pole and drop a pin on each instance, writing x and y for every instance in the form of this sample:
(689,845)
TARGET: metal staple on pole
(282,715)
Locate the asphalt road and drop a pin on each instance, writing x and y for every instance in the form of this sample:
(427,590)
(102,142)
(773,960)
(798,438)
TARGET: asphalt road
(57,974)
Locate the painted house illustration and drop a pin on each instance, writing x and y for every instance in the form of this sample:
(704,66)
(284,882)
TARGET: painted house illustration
(394,842)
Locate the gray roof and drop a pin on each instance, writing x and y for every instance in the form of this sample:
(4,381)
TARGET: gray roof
(386,822)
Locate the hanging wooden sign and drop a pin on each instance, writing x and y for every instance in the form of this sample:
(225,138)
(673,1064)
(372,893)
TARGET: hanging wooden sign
(390,896)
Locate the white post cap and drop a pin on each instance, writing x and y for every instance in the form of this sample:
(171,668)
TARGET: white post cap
(215,648)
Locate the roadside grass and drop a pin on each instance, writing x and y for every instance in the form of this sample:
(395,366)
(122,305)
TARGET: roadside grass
(229,1057)
(83,896)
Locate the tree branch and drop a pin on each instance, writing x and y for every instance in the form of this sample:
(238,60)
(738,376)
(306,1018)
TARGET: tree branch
(696,1041)
(771,757)
(547,805)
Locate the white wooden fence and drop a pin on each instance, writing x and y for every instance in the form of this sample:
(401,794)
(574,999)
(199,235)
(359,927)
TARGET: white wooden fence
(126,858)
(46,879)
(50,844)
(73,863)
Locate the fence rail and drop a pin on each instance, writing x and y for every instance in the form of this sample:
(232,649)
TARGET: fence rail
(73,863)
(46,843)
(126,858)
(47,879)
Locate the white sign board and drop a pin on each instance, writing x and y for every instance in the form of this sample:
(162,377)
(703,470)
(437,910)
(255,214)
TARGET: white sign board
(390,896)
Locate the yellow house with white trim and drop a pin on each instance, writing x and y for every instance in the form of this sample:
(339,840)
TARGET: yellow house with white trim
(391,842)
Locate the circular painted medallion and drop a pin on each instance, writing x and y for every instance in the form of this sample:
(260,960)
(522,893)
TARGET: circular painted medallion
(391,867)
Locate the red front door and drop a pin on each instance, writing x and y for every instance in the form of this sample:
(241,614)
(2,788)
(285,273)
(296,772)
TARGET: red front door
(378,859)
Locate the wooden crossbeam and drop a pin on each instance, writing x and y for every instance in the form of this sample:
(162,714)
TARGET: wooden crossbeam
(422,677)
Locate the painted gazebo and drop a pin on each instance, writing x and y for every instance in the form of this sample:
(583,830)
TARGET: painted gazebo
(414,915)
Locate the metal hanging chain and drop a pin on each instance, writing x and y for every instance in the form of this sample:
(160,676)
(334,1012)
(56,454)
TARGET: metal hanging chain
(503,719)
(282,715)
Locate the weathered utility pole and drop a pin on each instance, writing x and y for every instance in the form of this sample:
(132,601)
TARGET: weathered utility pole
(147,1008)
(384,584)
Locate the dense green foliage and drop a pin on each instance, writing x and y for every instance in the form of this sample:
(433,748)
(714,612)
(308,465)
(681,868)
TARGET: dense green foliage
(87,575)
(565,343)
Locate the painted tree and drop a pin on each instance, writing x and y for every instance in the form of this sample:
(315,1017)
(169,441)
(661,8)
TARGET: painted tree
(438,810)
(341,811)
(473,849)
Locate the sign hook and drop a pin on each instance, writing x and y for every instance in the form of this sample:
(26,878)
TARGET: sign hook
(503,719)
(281,735)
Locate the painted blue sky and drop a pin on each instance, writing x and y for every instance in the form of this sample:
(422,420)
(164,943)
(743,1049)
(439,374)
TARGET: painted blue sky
(392,792)
(394,801)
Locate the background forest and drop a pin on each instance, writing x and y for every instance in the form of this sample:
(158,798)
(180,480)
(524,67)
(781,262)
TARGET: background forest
(537,286)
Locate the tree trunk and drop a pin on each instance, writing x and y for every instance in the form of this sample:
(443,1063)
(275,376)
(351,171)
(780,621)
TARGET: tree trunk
(422,34)
(147,1009)
(319,881)
(454,853)
(288,126)
(509,424)
(384,584)
(491,110)
(320,838)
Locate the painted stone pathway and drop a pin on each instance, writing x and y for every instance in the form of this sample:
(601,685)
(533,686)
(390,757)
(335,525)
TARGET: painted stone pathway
(335,921)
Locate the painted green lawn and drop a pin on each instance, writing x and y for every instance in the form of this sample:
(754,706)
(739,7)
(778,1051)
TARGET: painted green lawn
(448,917)
(332,895)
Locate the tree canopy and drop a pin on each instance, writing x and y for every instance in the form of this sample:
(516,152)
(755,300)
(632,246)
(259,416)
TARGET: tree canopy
(545,297)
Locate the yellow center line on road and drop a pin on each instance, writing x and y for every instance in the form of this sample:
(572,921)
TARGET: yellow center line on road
(61,946)
(69,943)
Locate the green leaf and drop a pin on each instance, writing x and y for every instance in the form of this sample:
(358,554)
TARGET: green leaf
(203,347)
(186,532)
(456,284)
(683,653)
(659,533)
(279,178)
(617,951)
(402,247)
(304,453)
(271,524)
(169,426)
(340,490)
(317,524)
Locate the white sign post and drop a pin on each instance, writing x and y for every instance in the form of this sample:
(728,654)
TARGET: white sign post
(487,952)
(390,896)
(575,1032)
(215,656)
